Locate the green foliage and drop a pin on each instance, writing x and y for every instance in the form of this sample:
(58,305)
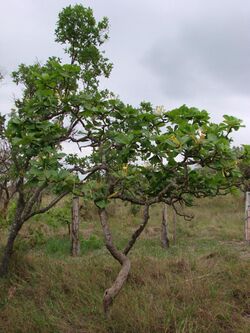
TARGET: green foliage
(83,36)
(59,216)
(243,163)
(136,154)
(55,95)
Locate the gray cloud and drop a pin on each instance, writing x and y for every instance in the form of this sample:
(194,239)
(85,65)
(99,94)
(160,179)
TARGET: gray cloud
(208,55)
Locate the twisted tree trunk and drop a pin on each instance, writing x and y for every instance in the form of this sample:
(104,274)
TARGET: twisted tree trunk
(4,267)
(14,229)
(121,278)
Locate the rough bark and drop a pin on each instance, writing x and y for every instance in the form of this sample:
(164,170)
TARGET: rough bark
(16,226)
(164,228)
(75,242)
(138,231)
(121,278)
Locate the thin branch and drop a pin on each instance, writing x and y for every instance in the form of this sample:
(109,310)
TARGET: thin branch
(138,231)
(45,209)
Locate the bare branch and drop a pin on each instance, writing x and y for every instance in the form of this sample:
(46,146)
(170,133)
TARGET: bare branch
(138,231)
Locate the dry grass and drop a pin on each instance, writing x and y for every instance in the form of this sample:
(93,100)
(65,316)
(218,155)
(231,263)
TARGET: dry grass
(199,285)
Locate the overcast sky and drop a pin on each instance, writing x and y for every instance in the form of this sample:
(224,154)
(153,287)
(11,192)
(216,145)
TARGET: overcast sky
(168,52)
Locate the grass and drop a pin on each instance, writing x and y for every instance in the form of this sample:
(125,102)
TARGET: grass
(201,284)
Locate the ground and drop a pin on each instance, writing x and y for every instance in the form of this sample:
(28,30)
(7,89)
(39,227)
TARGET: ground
(201,284)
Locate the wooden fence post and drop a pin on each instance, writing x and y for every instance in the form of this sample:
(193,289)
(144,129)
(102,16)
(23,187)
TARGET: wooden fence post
(164,228)
(174,226)
(247,218)
(75,242)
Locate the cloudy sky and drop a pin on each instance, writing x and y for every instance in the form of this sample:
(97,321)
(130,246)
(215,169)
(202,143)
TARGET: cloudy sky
(169,52)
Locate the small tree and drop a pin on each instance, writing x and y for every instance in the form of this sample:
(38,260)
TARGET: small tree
(62,102)
(54,98)
(178,146)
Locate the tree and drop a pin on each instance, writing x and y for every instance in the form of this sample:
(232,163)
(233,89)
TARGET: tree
(54,97)
(177,145)
(134,154)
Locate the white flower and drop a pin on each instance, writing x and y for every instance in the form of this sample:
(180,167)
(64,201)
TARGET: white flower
(159,110)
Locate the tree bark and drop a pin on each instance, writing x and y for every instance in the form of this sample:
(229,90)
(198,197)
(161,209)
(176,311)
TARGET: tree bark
(75,242)
(4,267)
(164,228)
(121,278)
(5,198)
(138,231)
(14,229)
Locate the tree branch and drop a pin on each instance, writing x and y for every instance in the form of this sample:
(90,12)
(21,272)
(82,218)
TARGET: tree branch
(138,231)
(45,209)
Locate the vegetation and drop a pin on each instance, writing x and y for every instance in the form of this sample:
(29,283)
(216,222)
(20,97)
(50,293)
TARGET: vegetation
(141,155)
(198,285)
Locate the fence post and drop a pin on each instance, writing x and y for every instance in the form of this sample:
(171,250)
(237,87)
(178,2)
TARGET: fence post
(164,228)
(174,227)
(247,218)
(75,242)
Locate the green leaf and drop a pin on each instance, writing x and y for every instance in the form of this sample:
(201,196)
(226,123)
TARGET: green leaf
(123,138)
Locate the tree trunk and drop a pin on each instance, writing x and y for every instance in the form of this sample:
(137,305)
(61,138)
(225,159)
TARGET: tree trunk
(138,231)
(5,198)
(114,290)
(14,229)
(4,267)
(247,217)
(75,242)
(164,228)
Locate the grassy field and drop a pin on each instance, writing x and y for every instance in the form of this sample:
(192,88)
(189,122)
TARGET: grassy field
(201,284)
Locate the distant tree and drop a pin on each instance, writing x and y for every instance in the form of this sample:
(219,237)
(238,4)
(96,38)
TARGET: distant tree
(244,166)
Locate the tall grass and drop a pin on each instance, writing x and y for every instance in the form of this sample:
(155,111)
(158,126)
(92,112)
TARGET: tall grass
(199,285)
